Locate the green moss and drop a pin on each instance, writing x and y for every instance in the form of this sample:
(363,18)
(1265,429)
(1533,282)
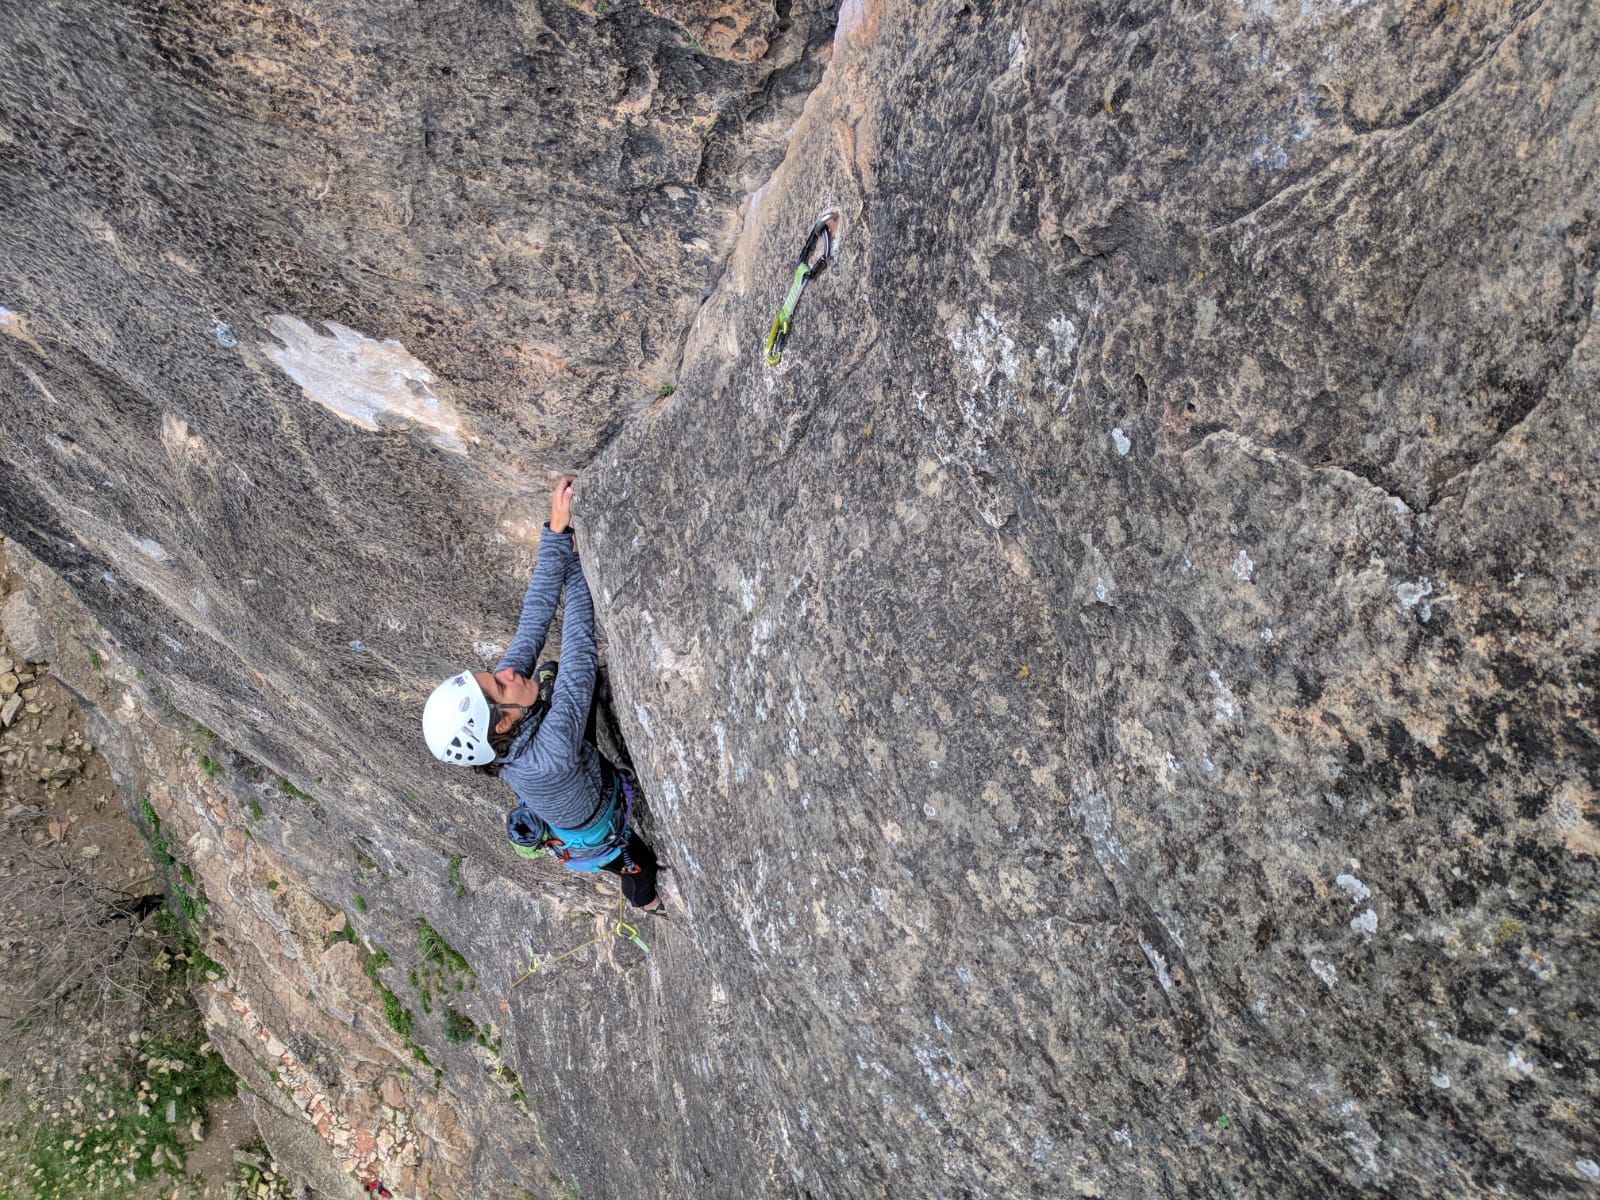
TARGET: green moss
(1508,931)
(459,1028)
(272,885)
(361,903)
(665,390)
(255,809)
(454,872)
(440,953)
(200,737)
(289,789)
(395,1013)
(158,842)
(202,965)
(210,766)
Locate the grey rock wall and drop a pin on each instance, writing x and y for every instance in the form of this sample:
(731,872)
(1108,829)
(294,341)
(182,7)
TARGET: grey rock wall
(1122,689)
(1118,698)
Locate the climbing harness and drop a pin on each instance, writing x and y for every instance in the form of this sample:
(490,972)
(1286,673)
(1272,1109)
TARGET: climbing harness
(807,270)
(531,837)
(619,928)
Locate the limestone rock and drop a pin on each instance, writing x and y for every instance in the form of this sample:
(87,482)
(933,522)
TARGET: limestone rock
(23,626)
(1118,694)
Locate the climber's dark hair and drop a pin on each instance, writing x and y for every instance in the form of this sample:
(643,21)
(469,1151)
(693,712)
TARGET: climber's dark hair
(499,743)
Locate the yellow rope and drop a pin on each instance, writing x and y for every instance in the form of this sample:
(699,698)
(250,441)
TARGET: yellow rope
(619,928)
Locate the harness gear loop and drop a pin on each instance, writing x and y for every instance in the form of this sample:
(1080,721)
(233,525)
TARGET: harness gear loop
(804,272)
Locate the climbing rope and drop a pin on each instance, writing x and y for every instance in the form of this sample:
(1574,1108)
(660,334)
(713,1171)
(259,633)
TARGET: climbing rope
(619,928)
(804,272)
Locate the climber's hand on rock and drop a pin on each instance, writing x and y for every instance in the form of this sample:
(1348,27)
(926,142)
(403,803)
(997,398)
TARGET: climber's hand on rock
(561,504)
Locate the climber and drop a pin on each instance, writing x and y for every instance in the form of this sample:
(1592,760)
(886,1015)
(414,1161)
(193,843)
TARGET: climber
(534,728)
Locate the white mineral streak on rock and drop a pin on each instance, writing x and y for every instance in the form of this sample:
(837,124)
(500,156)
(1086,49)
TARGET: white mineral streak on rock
(1121,441)
(1057,363)
(488,651)
(360,378)
(1587,1167)
(1324,971)
(1158,963)
(13,324)
(986,347)
(1353,887)
(851,14)
(1517,1061)
(1225,704)
(1442,1082)
(1244,566)
(1366,923)
(151,548)
(1093,807)
(1414,596)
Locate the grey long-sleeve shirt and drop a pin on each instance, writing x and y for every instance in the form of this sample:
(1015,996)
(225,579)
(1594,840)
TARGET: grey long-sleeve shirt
(553,770)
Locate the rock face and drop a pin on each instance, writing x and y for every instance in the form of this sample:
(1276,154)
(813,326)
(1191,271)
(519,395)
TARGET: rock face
(1119,695)
(1123,688)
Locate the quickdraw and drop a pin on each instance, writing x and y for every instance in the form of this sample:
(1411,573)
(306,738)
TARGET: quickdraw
(804,272)
(619,928)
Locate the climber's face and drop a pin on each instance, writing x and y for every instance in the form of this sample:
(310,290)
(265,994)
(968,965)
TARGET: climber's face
(515,693)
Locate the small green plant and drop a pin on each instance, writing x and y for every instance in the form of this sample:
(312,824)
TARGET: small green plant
(455,875)
(158,843)
(94,661)
(210,765)
(294,793)
(395,1013)
(272,885)
(361,904)
(459,1028)
(601,8)
(255,809)
(200,737)
(201,965)
(665,390)
(132,1138)
(439,953)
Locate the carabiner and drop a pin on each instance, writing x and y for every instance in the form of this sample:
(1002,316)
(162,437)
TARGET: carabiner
(804,272)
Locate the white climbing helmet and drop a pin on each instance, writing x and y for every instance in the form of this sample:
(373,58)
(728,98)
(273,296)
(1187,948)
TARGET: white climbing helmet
(455,722)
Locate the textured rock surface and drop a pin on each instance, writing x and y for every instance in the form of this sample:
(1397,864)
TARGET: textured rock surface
(1122,690)
(508,213)
(1119,696)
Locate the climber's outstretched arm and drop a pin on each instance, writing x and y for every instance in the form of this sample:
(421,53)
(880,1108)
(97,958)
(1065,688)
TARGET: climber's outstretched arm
(562,731)
(544,589)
